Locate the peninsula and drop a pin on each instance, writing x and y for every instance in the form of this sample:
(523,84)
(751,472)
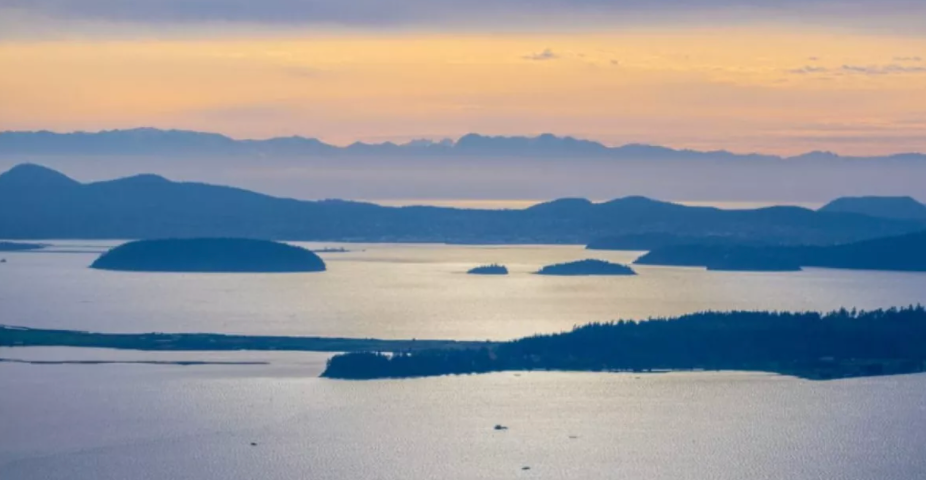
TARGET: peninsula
(808,345)
(652,240)
(754,263)
(899,253)
(11,336)
(230,255)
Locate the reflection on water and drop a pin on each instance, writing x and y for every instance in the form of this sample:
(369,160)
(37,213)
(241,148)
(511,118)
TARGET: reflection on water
(279,421)
(518,204)
(411,291)
(156,422)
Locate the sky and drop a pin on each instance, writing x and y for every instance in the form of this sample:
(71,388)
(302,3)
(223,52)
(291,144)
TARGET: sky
(841,75)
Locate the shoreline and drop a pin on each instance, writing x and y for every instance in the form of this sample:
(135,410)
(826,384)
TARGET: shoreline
(807,345)
(14,336)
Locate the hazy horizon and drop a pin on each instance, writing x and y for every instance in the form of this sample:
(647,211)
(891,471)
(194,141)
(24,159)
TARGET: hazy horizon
(468,178)
(452,139)
(437,181)
(844,76)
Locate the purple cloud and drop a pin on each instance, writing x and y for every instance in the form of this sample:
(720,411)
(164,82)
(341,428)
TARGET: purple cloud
(882,69)
(808,70)
(546,54)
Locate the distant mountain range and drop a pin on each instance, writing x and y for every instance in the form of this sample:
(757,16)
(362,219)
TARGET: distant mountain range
(151,141)
(40,203)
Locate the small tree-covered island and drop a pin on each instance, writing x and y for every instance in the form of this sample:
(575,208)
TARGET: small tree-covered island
(493,269)
(586,267)
(218,255)
(808,345)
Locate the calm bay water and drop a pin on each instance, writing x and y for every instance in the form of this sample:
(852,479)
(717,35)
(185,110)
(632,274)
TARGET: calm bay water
(410,291)
(131,421)
(117,422)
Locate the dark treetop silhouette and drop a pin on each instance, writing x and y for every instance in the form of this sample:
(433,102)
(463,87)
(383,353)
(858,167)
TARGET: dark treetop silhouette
(209,255)
(808,345)
(494,269)
(36,202)
(586,267)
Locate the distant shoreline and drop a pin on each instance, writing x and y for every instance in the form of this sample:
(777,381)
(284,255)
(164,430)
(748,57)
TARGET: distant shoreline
(12,336)
(179,363)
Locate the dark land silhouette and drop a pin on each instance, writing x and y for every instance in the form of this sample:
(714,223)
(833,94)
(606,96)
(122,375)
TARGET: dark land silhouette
(585,268)
(19,246)
(494,269)
(839,344)
(228,255)
(37,203)
(181,363)
(754,262)
(809,345)
(899,253)
(11,336)
(649,241)
(902,208)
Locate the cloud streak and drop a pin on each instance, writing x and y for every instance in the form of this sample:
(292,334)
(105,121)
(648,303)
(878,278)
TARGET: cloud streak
(870,70)
(891,69)
(546,54)
(808,70)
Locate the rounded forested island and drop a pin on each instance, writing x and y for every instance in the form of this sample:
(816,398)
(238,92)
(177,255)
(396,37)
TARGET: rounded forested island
(587,267)
(494,269)
(220,255)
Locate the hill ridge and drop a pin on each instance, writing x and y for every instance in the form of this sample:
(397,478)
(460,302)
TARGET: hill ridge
(150,206)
